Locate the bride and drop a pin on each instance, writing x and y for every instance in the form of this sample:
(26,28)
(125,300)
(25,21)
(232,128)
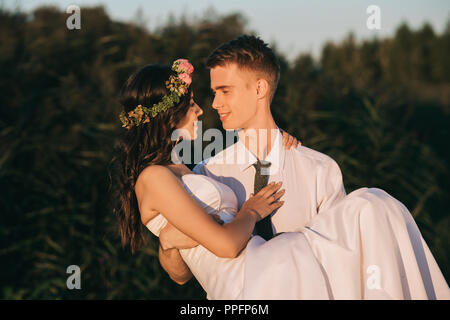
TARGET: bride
(365,247)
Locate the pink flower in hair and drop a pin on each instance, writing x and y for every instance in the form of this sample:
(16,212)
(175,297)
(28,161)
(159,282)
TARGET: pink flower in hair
(184,66)
(185,78)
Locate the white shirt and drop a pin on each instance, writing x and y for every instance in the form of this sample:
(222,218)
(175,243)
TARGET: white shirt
(312,180)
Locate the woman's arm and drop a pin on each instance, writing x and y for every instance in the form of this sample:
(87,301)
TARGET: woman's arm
(170,237)
(163,192)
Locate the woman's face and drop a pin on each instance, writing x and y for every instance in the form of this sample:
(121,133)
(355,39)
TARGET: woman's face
(189,121)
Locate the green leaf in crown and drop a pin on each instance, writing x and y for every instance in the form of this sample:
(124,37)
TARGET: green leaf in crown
(177,85)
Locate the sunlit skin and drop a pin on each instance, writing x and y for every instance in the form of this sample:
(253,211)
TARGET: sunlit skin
(157,186)
(229,99)
(188,129)
(242,99)
(189,122)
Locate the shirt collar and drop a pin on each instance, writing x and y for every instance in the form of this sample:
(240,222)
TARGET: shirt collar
(276,155)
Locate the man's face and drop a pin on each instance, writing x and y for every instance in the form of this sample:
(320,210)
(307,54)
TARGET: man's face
(235,96)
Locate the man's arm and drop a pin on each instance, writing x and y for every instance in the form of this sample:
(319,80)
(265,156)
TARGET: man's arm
(200,168)
(330,186)
(170,238)
(171,261)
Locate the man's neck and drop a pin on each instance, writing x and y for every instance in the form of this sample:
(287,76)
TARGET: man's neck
(259,138)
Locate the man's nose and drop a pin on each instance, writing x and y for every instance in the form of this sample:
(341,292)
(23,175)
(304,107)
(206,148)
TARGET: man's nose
(216,104)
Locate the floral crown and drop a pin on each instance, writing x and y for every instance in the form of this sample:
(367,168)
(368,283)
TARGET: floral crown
(178,85)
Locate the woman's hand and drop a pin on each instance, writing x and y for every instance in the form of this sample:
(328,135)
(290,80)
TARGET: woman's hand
(170,237)
(265,201)
(289,141)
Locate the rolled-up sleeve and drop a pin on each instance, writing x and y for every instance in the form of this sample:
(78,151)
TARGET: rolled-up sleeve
(330,185)
(200,168)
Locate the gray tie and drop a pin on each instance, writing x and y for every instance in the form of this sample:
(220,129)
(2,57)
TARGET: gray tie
(263,227)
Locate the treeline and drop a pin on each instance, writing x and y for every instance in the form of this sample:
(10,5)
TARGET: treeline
(379,107)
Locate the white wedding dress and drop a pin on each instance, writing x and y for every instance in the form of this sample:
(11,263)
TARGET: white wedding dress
(365,247)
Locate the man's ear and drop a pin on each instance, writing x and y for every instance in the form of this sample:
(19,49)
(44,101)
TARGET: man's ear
(262,88)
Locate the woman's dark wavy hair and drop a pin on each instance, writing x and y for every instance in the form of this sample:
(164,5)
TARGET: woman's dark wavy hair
(142,146)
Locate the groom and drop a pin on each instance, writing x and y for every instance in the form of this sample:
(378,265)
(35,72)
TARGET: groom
(244,75)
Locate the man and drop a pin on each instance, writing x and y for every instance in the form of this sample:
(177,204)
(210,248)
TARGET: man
(244,75)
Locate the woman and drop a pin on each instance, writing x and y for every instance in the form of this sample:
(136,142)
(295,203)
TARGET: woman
(364,247)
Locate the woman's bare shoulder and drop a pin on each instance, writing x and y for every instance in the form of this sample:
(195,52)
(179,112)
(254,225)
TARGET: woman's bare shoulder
(152,178)
(151,175)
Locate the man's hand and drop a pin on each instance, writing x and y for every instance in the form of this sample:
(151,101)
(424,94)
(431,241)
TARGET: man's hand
(289,141)
(170,237)
(173,263)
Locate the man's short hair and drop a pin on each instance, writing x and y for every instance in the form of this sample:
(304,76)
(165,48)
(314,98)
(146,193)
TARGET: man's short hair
(248,52)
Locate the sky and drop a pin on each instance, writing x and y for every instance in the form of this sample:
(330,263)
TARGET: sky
(295,26)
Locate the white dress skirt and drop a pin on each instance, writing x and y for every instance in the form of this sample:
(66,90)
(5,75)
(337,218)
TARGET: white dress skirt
(367,246)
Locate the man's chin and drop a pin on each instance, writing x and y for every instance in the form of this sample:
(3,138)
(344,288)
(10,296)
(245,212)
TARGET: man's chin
(228,125)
